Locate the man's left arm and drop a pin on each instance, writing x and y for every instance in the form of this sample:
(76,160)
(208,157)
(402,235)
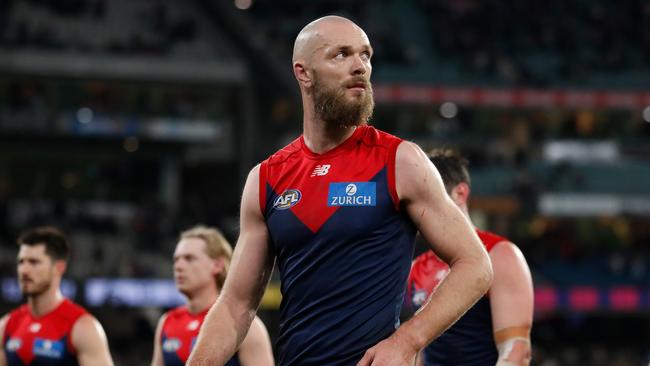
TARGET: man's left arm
(511,303)
(453,239)
(89,340)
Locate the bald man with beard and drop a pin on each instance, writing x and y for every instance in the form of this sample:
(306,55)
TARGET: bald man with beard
(338,209)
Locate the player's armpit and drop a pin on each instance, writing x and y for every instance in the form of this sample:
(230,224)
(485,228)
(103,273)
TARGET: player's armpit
(90,342)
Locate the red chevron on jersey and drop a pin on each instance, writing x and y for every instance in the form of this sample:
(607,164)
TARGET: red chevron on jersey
(47,338)
(301,178)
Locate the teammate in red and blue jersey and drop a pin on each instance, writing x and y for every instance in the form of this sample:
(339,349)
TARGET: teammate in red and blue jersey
(338,209)
(496,330)
(49,330)
(201,262)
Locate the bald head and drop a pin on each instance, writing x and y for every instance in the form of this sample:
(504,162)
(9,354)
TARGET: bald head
(321,32)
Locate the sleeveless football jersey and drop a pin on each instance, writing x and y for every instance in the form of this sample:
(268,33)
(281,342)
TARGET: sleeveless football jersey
(43,341)
(470,340)
(342,246)
(178,336)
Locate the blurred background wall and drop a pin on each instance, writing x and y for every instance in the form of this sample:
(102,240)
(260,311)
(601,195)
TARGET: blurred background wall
(126,121)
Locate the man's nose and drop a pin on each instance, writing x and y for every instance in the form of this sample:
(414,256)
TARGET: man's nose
(178,266)
(359,66)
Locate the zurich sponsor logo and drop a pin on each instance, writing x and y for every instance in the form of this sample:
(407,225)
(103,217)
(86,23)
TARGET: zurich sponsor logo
(48,348)
(352,194)
(13,344)
(171,345)
(287,199)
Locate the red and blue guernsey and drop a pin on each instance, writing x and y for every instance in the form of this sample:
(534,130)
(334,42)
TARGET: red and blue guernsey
(42,341)
(342,244)
(178,336)
(470,341)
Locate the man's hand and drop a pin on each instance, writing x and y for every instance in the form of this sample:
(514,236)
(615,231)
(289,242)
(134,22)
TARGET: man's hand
(392,351)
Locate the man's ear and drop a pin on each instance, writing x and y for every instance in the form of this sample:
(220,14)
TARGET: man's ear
(60,266)
(303,75)
(460,193)
(218,266)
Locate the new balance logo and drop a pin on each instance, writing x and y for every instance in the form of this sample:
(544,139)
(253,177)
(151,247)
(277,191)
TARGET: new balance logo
(321,170)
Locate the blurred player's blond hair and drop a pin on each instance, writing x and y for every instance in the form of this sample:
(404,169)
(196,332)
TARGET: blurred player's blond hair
(216,246)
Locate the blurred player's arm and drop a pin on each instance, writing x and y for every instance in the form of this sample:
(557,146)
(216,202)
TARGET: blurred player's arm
(256,348)
(441,223)
(511,301)
(228,320)
(89,340)
(157,358)
(3,325)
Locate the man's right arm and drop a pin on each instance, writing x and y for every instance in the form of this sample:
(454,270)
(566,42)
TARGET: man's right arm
(3,325)
(228,320)
(157,358)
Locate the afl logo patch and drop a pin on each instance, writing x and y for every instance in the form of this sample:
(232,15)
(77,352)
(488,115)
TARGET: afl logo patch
(13,344)
(288,199)
(171,345)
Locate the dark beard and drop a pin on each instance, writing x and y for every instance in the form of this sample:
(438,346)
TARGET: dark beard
(37,290)
(332,106)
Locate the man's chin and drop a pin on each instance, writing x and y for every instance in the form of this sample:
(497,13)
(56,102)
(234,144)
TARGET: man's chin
(31,293)
(185,290)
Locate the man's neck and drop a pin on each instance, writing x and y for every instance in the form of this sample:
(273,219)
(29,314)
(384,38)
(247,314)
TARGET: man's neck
(44,303)
(320,137)
(202,301)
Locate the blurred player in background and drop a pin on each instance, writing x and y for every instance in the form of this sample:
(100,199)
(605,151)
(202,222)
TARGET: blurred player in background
(50,329)
(201,262)
(339,208)
(496,330)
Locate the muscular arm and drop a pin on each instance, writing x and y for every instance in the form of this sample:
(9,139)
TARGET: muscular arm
(89,340)
(3,325)
(228,320)
(511,301)
(157,358)
(453,239)
(256,348)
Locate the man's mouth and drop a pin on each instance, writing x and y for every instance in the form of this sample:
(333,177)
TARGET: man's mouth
(359,85)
